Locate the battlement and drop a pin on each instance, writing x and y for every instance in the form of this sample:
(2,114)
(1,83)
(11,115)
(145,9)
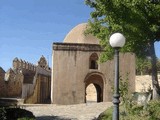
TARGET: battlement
(22,64)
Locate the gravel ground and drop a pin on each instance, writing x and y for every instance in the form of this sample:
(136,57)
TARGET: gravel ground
(88,111)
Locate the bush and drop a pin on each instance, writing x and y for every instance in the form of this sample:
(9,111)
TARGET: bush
(106,115)
(2,114)
(129,110)
(15,114)
(154,110)
(149,112)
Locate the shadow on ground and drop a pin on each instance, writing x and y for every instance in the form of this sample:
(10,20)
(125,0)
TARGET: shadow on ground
(53,118)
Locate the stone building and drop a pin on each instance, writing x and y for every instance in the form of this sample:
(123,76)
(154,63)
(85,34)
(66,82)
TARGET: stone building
(27,81)
(75,67)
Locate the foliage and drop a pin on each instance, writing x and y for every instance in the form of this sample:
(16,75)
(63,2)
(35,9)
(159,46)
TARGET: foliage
(124,94)
(124,86)
(154,109)
(125,97)
(138,20)
(129,110)
(2,113)
(158,64)
(106,115)
(151,112)
(143,66)
(15,113)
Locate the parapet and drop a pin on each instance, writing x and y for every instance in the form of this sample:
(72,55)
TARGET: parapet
(22,64)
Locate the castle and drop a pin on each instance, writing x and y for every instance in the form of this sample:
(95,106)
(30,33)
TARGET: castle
(26,81)
(75,66)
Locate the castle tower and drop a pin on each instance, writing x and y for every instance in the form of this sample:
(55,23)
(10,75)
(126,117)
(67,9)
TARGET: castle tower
(15,63)
(43,62)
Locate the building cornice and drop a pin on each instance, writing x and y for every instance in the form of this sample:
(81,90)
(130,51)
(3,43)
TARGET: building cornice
(76,47)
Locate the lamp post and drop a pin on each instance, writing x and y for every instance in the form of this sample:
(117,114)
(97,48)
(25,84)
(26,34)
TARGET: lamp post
(117,40)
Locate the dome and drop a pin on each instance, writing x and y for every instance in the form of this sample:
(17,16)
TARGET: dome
(76,35)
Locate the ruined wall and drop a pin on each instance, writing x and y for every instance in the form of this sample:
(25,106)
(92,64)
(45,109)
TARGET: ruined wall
(33,98)
(2,83)
(10,84)
(38,90)
(22,81)
(71,68)
(14,86)
(14,78)
(42,90)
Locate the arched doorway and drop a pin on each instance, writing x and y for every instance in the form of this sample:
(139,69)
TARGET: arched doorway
(91,94)
(97,81)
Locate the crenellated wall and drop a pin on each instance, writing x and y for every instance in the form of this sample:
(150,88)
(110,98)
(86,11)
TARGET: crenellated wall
(2,82)
(22,64)
(21,81)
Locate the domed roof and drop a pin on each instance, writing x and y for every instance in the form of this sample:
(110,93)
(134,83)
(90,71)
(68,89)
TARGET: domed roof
(76,35)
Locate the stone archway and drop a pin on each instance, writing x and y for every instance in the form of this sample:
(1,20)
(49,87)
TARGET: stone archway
(97,80)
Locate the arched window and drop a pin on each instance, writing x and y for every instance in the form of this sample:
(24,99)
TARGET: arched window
(93,61)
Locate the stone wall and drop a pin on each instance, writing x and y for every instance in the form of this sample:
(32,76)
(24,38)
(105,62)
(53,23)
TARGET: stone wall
(22,64)
(40,89)
(2,83)
(71,71)
(21,81)
(14,86)
(11,87)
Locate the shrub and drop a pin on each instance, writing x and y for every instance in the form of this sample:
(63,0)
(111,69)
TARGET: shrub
(149,112)
(129,110)
(2,113)
(154,110)
(106,115)
(15,114)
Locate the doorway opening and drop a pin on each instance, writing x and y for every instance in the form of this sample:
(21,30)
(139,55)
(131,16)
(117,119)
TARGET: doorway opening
(91,94)
(94,88)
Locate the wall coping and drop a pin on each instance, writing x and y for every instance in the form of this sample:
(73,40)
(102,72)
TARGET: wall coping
(76,47)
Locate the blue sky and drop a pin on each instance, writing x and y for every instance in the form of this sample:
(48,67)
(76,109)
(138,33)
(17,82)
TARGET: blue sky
(29,27)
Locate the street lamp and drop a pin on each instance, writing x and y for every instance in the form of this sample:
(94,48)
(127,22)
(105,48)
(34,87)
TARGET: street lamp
(117,40)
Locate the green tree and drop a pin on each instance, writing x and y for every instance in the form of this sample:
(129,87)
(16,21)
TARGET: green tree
(138,20)
(158,65)
(143,66)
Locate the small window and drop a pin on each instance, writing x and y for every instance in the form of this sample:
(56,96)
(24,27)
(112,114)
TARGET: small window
(93,61)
